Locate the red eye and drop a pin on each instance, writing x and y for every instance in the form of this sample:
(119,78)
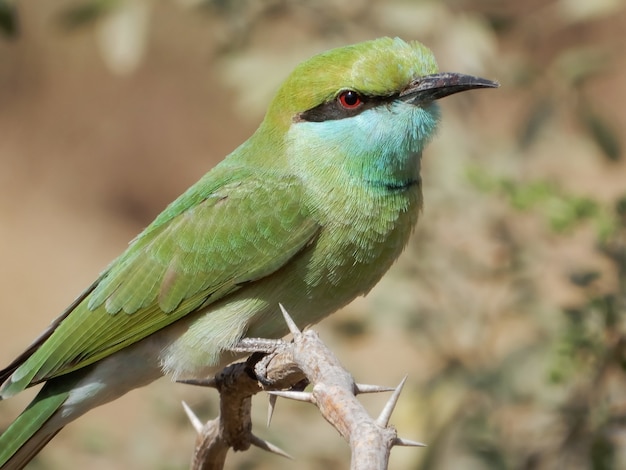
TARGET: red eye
(350,99)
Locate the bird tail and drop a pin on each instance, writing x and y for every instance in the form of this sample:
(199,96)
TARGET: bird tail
(28,434)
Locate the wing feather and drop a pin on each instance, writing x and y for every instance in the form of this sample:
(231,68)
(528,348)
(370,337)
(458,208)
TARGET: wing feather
(242,231)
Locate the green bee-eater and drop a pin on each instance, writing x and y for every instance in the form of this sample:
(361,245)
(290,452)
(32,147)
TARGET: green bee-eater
(309,212)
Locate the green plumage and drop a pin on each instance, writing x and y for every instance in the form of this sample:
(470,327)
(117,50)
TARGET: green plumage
(213,246)
(309,212)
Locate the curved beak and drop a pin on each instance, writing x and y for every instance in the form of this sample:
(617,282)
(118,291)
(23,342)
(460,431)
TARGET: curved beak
(433,87)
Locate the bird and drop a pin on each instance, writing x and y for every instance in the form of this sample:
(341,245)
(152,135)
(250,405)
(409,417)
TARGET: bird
(309,212)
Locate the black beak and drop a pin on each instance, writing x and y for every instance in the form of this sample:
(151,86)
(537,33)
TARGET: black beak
(433,87)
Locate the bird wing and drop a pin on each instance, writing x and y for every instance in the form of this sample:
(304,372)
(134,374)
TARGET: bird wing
(210,243)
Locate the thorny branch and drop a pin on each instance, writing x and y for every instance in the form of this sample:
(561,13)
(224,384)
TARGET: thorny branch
(284,370)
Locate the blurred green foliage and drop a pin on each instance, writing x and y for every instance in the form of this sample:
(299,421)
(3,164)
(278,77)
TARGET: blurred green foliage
(589,350)
(84,14)
(8,19)
(563,211)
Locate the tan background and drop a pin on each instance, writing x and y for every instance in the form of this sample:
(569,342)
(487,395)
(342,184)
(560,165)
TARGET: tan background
(510,363)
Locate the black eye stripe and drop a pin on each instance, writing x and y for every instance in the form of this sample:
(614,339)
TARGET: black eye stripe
(332,110)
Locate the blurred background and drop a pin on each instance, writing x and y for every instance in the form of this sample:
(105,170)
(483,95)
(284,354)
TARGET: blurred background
(507,311)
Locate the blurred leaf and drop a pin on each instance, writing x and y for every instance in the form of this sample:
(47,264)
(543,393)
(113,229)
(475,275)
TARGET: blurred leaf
(584,10)
(526,196)
(480,439)
(8,19)
(620,207)
(500,22)
(562,210)
(584,278)
(603,134)
(577,64)
(602,453)
(540,113)
(87,13)
(122,36)
(566,211)
(481,179)
(351,328)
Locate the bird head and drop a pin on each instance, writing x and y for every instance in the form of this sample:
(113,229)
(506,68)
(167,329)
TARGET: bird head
(367,109)
(346,81)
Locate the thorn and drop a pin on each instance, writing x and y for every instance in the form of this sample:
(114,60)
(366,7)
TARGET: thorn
(268,446)
(398,441)
(385,414)
(293,395)
(210,382)
(366,388)
(195,421)
(270,408)
(293,328)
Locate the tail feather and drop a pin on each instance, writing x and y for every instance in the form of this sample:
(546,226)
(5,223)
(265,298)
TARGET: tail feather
(28,434)
(63,399)
(7,387)
(28,451)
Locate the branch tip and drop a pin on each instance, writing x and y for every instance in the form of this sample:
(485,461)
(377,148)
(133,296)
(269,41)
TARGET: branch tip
(195,421)
(293,395)
(293,328)
(268,446)
(398,441)
(367,388)
(210,382)
(385,414)
(270,408)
